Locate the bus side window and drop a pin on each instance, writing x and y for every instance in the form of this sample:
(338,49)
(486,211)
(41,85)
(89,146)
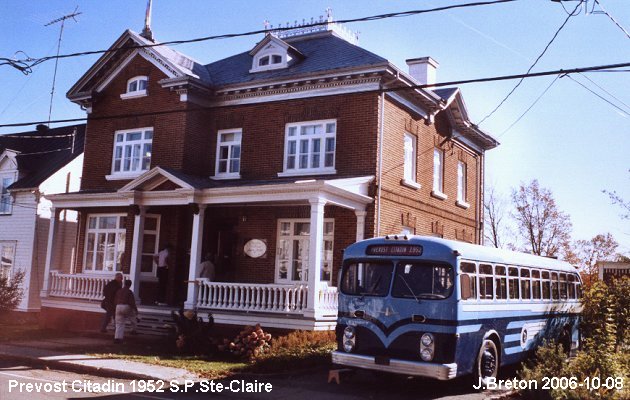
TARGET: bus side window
(546,285)
(536,284)
(501,282)
(486,287)
(554,285)
(513,283)
(525,284)
(572,284)
(563,286)
(468,281)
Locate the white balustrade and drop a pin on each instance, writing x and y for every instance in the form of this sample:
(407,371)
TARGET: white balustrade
(328,298)
(275,298)
(77,286)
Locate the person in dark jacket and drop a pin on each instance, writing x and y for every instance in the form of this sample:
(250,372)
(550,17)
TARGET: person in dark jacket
(108,304)
(126,309)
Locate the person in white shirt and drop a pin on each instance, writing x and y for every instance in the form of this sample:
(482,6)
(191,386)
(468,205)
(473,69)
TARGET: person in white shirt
(207,268)
(162,259)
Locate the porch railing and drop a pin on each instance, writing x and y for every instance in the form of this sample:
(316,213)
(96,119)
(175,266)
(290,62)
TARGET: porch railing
(77,286)
(252,297)
(328,298)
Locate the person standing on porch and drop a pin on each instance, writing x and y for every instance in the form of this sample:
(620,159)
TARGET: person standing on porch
(108,304)
(126,309)
(207,268)
(162,259)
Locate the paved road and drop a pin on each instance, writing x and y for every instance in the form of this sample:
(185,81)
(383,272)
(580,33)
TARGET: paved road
(16,381)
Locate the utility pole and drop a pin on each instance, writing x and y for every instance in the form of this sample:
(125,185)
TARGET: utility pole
(63,21)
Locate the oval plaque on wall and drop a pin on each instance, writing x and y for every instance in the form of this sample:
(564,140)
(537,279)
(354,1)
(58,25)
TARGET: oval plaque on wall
(255,248)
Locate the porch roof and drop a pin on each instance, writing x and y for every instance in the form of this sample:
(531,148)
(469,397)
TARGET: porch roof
(350,192)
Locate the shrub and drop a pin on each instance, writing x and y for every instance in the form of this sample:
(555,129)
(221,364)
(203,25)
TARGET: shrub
(10,291)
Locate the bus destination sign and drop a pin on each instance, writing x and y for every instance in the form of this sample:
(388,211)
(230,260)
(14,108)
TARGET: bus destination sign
(394,250)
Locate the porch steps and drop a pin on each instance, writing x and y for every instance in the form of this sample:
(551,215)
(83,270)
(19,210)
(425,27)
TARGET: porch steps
(154,324)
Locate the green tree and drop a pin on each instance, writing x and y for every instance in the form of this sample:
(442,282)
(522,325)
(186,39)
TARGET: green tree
(10,291)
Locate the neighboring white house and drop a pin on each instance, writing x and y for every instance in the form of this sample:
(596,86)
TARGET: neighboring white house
(33,165)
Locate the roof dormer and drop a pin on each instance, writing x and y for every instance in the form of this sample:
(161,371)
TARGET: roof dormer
(272,53)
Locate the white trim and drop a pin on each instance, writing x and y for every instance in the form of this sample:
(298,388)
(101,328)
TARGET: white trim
(438,195)
(133,95)
(410,161)
(411,184)
(150,276)
(297,138)
(142,142)
(462,204)
(438,173)
(238,132)
(126,62)
(122,177)
(307,173)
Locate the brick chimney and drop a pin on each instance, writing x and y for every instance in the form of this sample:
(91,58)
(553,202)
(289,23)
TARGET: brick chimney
(423,69)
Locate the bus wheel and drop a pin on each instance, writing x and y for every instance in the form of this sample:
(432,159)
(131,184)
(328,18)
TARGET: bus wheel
(487,363)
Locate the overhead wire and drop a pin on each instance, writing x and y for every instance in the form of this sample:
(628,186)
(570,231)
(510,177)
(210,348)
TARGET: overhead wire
(533,65)
(601,97)
(394,89)
(613,19)
(27,64)
(605,91)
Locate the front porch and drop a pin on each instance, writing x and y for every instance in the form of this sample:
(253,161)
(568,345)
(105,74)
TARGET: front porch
(289,281)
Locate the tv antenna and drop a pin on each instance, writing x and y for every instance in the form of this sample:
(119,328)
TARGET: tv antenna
(63,21)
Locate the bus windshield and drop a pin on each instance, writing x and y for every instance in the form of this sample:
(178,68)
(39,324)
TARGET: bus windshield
(367,278)
(423,280)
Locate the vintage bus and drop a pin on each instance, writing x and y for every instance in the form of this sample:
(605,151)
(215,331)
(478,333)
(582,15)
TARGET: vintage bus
(439,308)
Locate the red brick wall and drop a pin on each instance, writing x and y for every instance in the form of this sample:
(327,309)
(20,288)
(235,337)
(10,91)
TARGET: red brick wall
(405,206)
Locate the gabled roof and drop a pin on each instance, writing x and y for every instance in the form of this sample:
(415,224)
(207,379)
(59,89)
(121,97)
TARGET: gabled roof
(42,153)
(321,53)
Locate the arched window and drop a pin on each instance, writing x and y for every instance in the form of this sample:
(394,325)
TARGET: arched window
(136,87)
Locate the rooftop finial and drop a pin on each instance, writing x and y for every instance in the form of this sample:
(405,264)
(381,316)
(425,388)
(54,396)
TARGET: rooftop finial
(326,23)
(146,32)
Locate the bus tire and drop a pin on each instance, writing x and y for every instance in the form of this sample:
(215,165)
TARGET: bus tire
(487,362)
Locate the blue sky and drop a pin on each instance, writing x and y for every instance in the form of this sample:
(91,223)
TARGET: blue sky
(573,142)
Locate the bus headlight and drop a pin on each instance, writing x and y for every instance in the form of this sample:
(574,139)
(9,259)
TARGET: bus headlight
(426,355)
(348,345)
(348,333)
(427,347)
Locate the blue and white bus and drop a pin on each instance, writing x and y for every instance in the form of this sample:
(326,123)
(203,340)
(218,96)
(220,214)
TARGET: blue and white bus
(439,308)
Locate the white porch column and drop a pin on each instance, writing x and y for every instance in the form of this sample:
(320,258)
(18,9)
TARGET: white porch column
(136,251)
(195,256)
(360,224)
(315,256)
(52,230)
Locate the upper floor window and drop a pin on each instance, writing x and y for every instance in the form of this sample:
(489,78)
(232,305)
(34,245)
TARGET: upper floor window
(132,151)
(461,184)
(105,242)
(7,256)
(6,205)
(310,148)
(269,60)
(438,174)
(409,177)
(136,87)
(229,153)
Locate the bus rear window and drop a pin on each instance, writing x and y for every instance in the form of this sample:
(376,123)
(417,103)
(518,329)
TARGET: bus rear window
(367,278)
(423,280)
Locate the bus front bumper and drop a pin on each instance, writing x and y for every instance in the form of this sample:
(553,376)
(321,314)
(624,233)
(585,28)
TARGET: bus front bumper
(442,372)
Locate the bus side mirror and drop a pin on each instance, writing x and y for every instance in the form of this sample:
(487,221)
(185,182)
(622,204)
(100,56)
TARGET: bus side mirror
(465,284)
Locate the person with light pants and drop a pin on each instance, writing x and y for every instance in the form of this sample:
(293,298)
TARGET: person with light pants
(126,309)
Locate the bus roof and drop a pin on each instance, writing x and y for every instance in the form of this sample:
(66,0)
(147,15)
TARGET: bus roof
(444,248)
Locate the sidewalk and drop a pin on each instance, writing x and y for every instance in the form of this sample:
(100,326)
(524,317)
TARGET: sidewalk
(57,354)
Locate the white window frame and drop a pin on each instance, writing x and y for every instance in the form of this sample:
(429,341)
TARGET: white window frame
(130,94)
(131,173)
(438,174)
(410,146)
(116,231)
(462,184)
(230,145)
(6,269)
(5,196)
(293,133)
(148,276)
(327,256)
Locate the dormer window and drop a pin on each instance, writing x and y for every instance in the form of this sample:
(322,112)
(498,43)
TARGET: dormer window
(136,87)
(267,60)
(272,53)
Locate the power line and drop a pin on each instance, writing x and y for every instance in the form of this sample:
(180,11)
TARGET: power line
(25,65)
(601,97)
(605,91)
(533,65)
(396,89)
(531,106)
(613,19)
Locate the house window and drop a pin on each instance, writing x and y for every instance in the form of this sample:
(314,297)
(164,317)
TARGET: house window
(409,173)
(7,257)
(310,148)
(6,205)
(136,87)
(462,178)
(408,231)
(438,174)
(150,242)
(229,153)
(293,250)
(267,60)
(132,151)
(105,243)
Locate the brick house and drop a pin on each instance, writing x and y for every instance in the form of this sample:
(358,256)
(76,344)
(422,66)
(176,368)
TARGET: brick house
(33,166)
(273,160)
